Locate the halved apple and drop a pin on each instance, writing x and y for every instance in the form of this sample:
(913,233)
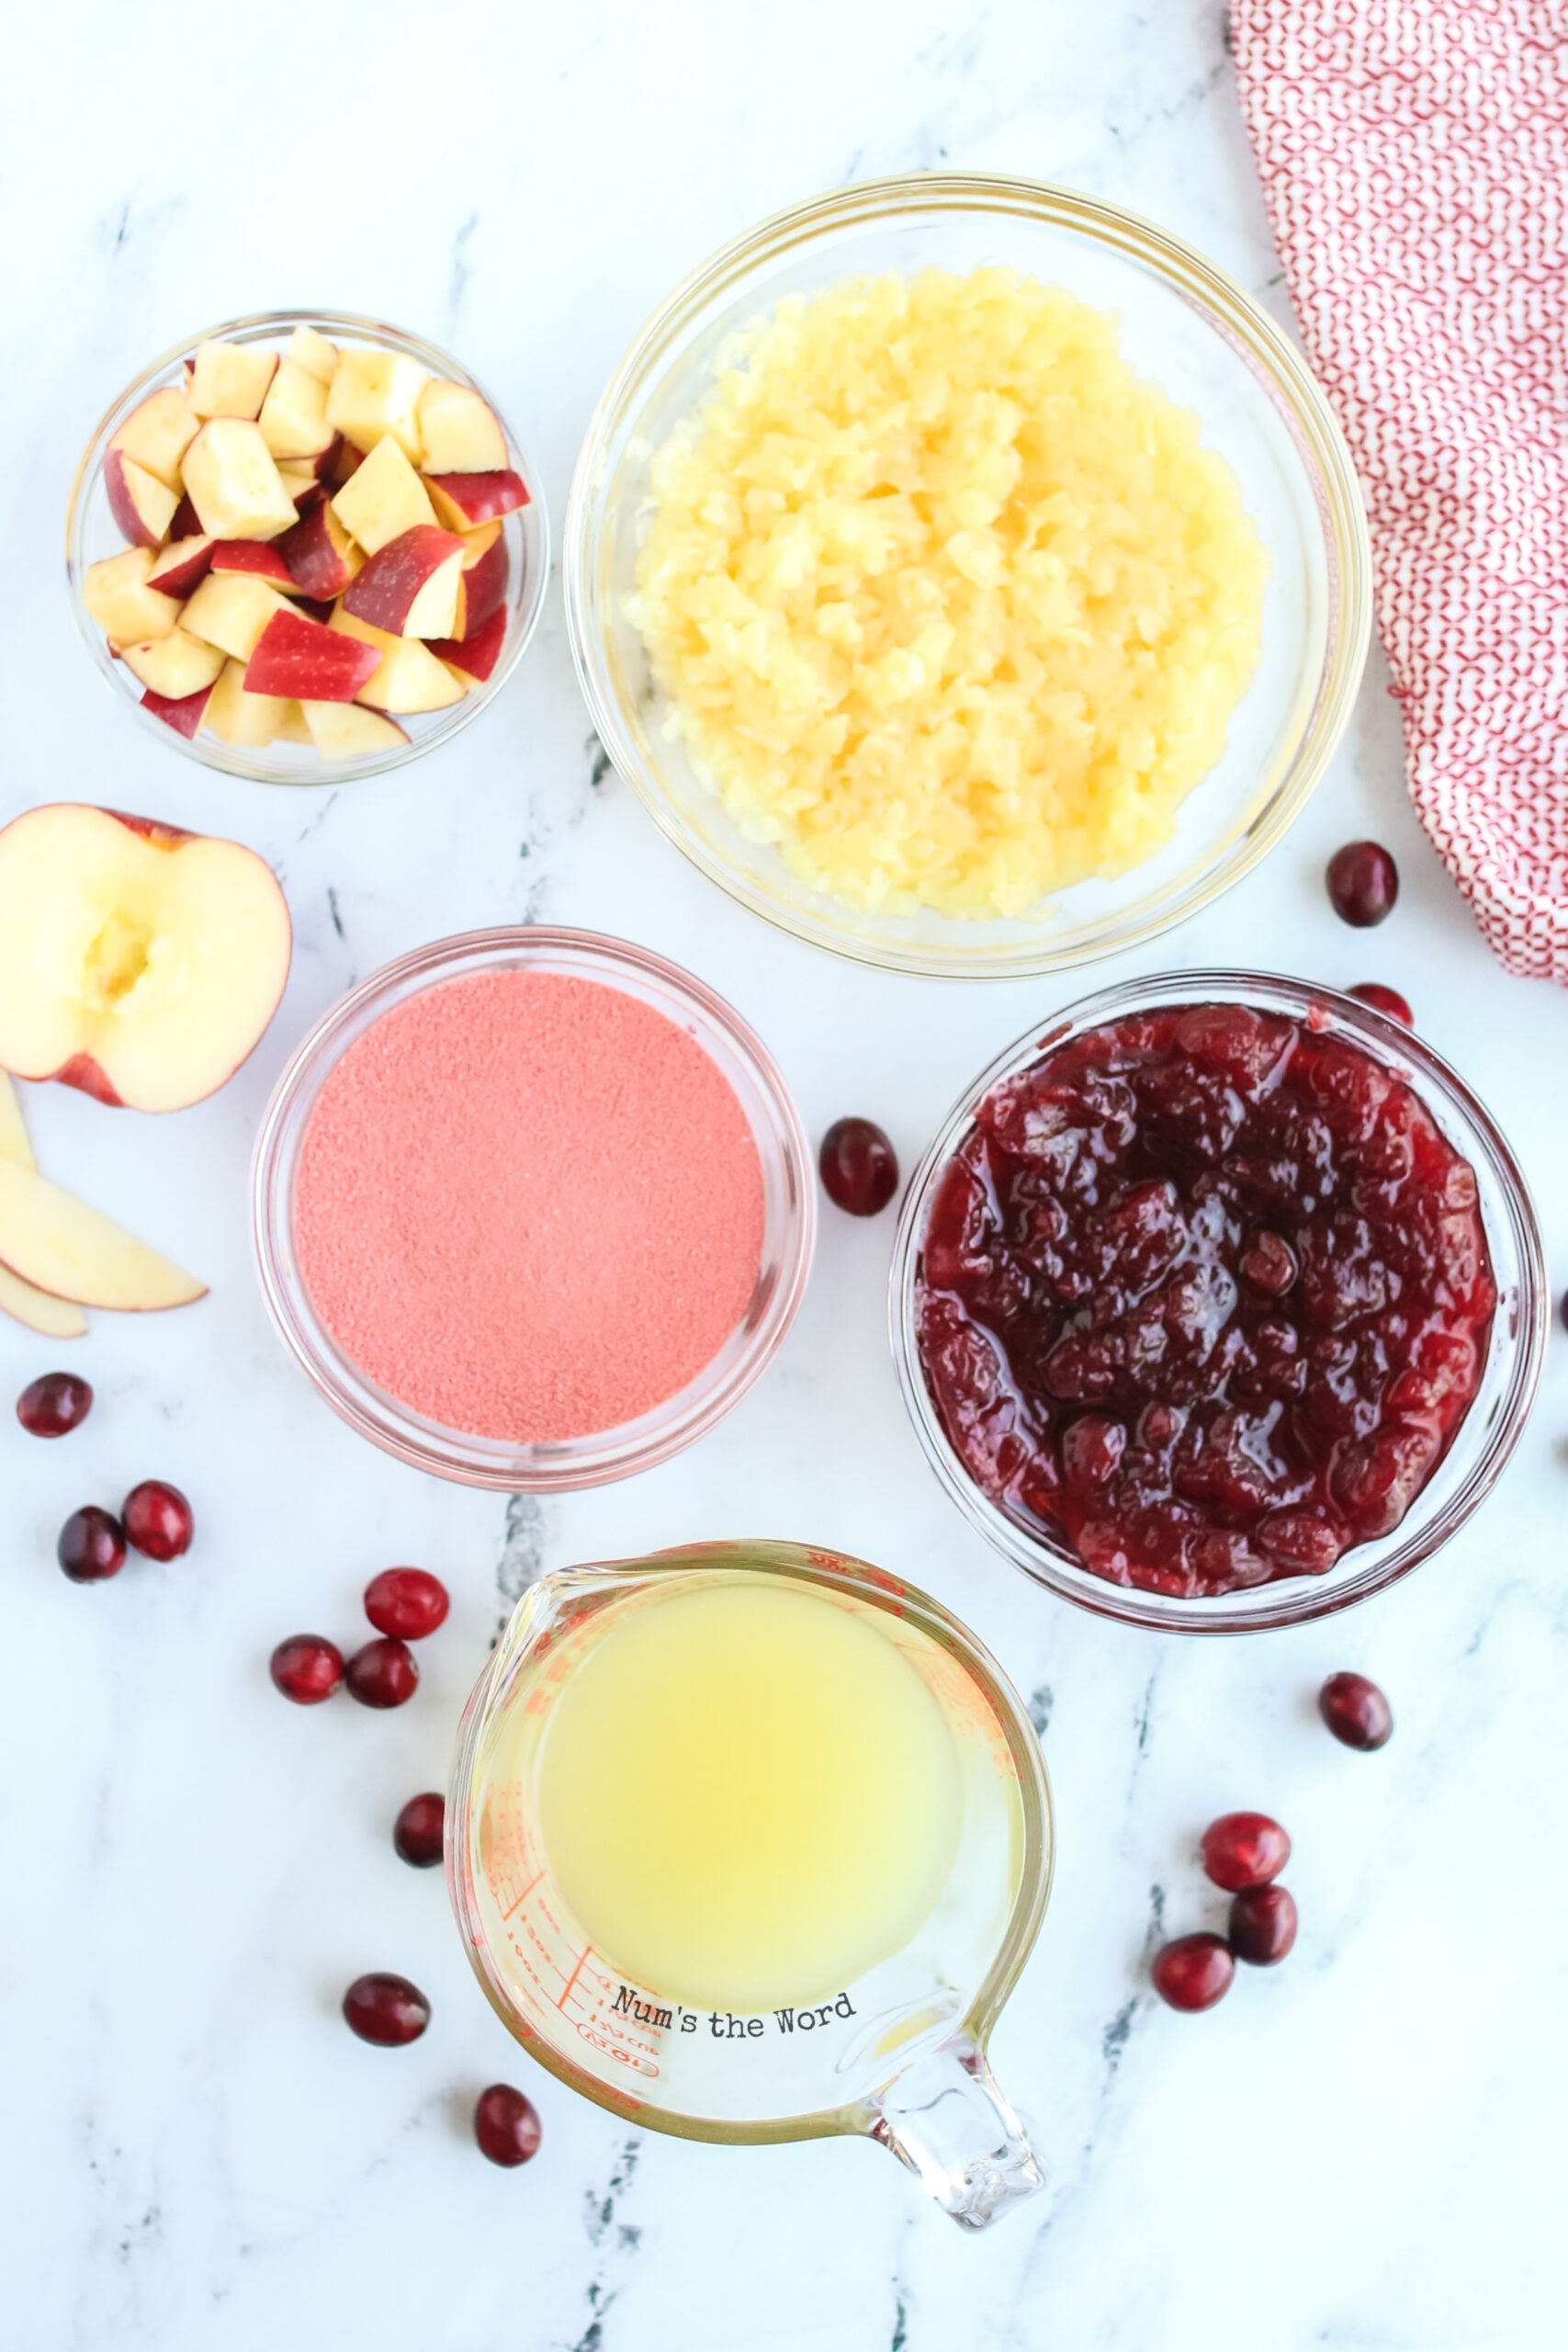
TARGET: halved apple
(137,962)
(346,731)
(54,1240)
(297,658)
(175,666)
(311,351)
(373,394)
(118,596)
(383,498)
(234,483)
(474,656)
(230,378)
(293,417)
(183,565)
(230,611)
(157,434)
(407,678)
(57,1318)
(462,501)
(321,554)
(458,433)
(410,586)
(141,505)
(184,715)
(248,721)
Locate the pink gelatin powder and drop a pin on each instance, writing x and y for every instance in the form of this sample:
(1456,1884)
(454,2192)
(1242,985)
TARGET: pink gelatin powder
(529,1206)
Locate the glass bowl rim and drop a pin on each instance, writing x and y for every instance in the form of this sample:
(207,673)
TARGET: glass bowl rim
(601,1458)
(1284,1601)
(224,759)
(1228,311)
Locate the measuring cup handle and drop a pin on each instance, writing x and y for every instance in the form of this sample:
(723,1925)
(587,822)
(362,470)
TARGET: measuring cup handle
(944,2116)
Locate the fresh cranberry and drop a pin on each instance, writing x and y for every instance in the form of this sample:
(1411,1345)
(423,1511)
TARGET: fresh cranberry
(1355,1710)
(417,1831)
(54,1405)
(157,1520)
(859,1168)
(1364,883)
(406,1602)
(1263,1925)
(307,1668)
(506,2125)
(383,1674)
(1387,1001)
(385,2009)
(1243,1849)
(92,1545)
(1194,1971)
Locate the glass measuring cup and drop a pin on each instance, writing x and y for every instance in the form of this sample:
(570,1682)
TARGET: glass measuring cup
(898,2055)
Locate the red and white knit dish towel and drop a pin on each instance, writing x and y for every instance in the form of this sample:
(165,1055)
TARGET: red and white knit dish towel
(1415,161)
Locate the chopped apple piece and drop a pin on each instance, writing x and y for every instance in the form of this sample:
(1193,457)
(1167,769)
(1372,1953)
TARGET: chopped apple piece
(186,524)
(313,353)
(458,431)
(408,677)
(183,565)
(56,1318)
(376,392)
(175,666)
(55,1241)
(231,379)
(141,505)
(253,559)
(484,587)
(475,656)
(234,483)
(299,658)
(307,489)
(183,716)
(478,544)
(383,498)
(294,414)
(410,586)
(137,962)
(247,721)
(230,611)
(156,435)
(118,596)
(322,556)
(346,731)
(291,727)
(461,501)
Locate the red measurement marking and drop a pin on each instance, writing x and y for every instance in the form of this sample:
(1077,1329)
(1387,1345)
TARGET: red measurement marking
(572,1978)
(529,1890)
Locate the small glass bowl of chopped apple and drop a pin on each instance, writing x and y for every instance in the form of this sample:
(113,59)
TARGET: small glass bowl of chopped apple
(306,548)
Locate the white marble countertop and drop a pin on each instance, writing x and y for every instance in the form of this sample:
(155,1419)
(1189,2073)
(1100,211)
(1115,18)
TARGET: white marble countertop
(1360,2149)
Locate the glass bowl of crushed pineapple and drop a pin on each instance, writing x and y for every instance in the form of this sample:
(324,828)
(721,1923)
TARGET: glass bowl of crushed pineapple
(966,575)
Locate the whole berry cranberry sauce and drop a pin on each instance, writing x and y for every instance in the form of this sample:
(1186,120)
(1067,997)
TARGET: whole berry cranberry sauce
(1207,1292)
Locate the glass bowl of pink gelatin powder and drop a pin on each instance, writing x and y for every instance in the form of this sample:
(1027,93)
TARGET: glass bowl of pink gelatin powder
(532,1208)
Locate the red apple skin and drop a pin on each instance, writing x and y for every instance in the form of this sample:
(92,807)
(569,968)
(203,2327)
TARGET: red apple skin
(384,590)
(325,460)
(315,608)
(151,829)
(183,713)
(82,1072)
(484,586)
(253,556)
(313,563)
(476,655)
(481,497)
(299,658)
(123,506)
(186,576)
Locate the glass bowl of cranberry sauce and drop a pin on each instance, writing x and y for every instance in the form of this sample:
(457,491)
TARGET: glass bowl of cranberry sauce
(1218,1303)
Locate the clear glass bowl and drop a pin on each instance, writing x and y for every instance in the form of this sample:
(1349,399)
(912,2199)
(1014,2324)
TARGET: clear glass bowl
(789,1215)
(1485,1439)
(1184,326)
(91,533)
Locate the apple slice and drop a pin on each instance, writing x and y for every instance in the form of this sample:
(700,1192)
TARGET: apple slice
(156,435)
(253,559)
(119,597)
(234,483)
(376,392)
(183,716)
(137,962)
(461,501)
(175,666)
(141,505)
(232,610)
(321,554)
(231,379)
(183,565)
(383,498)
(484,586)
(408,677)
(410,586)
(475,656)
(81,1255)
(56,1318)
(293,418)
(311,351)
(299,658)
(458,431)
(346,731)
(247,721)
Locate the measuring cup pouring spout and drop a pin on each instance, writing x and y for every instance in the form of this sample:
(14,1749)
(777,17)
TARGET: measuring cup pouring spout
(708,2038)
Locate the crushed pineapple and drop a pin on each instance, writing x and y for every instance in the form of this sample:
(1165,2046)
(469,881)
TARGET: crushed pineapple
(947,603)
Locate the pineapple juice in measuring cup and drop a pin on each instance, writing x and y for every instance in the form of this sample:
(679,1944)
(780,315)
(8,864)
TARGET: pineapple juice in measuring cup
(749,1843)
